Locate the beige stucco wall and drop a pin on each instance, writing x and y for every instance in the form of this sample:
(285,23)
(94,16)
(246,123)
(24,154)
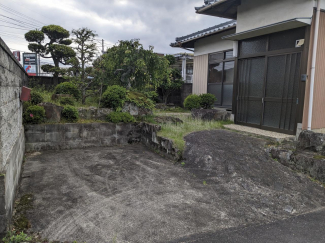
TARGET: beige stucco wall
(318,119)
(200,77)
(257,13)
(213,43)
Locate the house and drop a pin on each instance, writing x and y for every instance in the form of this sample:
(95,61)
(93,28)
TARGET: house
(277,48)
(184,62)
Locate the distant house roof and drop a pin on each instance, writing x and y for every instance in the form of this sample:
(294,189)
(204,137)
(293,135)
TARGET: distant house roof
(188,40)
(219,8)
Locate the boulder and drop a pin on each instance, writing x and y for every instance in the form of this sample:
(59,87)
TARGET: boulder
(59,96)
(134,110)
(168,119)
(52,111)
(93,113)
(210,114)
(312,141)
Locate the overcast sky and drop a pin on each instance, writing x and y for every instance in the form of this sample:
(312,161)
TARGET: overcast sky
(154,22)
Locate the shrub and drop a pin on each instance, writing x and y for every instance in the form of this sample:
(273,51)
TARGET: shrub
(67,101)
(153,95)
(207,101)
(34,115)
(114,97)
(68,88)
(36,97)
(26,104)
(192,102)
(117,117)
(140,100)
(70,113)
(15,237)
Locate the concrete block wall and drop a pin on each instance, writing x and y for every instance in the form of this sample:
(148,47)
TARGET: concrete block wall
(73,136)
(12,78)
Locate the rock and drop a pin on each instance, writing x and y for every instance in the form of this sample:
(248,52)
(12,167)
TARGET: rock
(93,113)
(134,110)
(52,111)
(59,96)
(288,209)
(309,140)
(210,114)
(161,106)
(168,119)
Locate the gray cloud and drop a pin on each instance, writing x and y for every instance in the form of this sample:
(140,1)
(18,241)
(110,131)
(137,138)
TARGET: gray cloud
(154,22)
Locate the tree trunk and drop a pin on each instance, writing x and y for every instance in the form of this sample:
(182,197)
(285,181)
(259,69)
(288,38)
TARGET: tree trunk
(83,96)
(56,75)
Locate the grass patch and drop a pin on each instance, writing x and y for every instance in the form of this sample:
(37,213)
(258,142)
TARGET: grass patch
(178,132)
(174,110)
(319,157)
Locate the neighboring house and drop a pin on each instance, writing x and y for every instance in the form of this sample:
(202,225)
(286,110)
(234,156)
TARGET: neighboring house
(276,60)
(184,62)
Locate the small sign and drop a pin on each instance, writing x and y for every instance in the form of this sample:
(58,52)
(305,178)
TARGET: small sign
(17,55)
(30,63)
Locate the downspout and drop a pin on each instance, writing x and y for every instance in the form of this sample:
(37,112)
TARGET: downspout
(313,67)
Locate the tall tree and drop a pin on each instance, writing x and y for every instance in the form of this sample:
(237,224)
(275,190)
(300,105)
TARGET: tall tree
(57,48)
(128,64)
(84,39)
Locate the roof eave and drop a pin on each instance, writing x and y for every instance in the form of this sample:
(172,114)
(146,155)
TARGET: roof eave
(228,9)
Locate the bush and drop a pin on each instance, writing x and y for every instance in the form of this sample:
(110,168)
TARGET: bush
(192,102)
(36,97)
(70,113)
(67,101)
(117,117)
(153,95)
(140,100)
(15,237)
(34,115)
(207,101)
(114,97)
(68,88)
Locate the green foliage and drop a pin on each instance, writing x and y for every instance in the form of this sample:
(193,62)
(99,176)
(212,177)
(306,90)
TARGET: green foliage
(140,100)
(68,88)
(15,237)
(26,104)
(129,65)
(55,32)
(207,101)
(114,97)
(192,102)
(117,117)
(67,101)
(57,47)
(171,59)
(34,115)
(153,95)
(36,97)
(34,36)
(70,113)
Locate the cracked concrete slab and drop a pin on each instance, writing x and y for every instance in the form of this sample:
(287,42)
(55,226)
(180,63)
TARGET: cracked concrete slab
(130,194)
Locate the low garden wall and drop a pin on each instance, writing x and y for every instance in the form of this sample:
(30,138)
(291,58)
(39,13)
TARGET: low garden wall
(73,136)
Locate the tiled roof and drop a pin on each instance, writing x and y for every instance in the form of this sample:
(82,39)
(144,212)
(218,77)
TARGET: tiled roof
(207,3)
(208,31)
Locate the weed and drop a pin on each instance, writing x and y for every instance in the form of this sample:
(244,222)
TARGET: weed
(15,237)
(319,157)
(205,183)
(183,163)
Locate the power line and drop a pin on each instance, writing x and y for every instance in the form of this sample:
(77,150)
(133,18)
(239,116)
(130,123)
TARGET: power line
(15,24)
(13,27)
(21,22)
(14,12)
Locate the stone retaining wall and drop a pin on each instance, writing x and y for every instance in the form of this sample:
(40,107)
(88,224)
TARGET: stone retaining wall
(12,78)
(71,136)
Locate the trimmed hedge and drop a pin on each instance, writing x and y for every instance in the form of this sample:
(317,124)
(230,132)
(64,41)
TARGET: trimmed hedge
(207,101)
(117,117)
(68,88)
(36,97)
(114,97)
(67,101)
(70,113)
(192,102)
(34,115)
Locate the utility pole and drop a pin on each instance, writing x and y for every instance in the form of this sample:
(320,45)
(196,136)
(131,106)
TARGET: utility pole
(103,46)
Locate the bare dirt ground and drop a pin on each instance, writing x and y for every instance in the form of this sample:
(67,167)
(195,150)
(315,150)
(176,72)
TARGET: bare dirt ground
(130,194)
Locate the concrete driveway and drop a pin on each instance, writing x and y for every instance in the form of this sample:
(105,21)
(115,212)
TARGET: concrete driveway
(130,194)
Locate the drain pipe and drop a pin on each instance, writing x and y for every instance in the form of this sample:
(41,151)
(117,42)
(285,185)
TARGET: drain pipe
(313,66)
